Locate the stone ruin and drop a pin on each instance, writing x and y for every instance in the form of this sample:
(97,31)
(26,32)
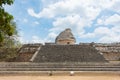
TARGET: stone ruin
(64,55)
(65,50)
(65,37)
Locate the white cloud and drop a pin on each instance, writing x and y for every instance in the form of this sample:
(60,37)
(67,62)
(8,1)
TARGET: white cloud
(79,14)
(64,7)
(102,31)
(106,3)
(100,21)
(109,20)
(31,12)
(116,6)
(88,8)
(75,22)
(105,34)
(52,35)
(113,36)
(98,32)
(36,39)
(114,20)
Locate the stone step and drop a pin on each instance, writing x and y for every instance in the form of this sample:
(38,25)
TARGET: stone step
(14,65)
(61,69)
(53,66)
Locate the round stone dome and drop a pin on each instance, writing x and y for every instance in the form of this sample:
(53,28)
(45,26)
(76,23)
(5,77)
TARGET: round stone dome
(65,37)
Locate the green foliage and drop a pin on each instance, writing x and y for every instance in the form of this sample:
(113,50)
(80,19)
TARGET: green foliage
(9,2)
(8,33)
(9,50)
(6,21)
(8,54)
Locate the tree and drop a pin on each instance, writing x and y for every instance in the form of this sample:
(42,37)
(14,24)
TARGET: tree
(7,28)
(8,33)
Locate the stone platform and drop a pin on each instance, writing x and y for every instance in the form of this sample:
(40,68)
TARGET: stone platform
(16,68)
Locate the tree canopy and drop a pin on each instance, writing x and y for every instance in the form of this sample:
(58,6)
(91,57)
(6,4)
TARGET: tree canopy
(8,33)
(7,26)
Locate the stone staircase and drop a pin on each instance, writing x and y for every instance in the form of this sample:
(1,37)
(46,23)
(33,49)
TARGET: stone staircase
(68,53)
(26,67)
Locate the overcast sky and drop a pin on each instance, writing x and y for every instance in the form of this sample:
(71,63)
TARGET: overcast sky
(90,20)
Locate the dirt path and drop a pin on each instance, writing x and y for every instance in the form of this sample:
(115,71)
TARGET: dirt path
(100,77)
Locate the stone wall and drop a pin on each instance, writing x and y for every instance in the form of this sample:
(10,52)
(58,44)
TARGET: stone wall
(110,51)
(26,52)
(63,42)
(24,57)
(111,56)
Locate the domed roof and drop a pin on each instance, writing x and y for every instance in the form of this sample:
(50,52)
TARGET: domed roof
(65,35)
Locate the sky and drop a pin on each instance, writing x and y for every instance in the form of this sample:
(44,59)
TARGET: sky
(40,21)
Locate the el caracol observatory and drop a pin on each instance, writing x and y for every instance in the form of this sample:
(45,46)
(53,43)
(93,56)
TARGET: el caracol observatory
(63,50)
(65,37)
